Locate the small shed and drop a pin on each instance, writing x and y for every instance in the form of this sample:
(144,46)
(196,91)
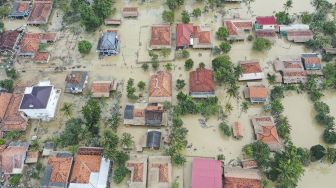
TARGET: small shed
(153,139)
(237,130)
(116,22)
(32,157)
(48,148)
(130,12)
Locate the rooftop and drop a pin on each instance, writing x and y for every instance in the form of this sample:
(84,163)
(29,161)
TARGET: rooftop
(201,80)
(109,41)
(36,97)
(206,173)
(234,26)
(101,87)
(76,80)
(12,158)
(252,66)
(311,58)
(161,35)
(159,171)
(183,34)
(20,9)
(137,164)
(153,139)
(9,39)
(265,33)
(259,91)
(300,33)
(238,177)
(42,57)
(160,85)
(266,20)
(30,42)
(203,35)
(40,13)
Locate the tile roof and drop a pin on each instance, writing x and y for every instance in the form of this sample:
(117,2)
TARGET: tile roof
(76,80)
(295,73)
(293,64)
(130,12)
(137,164)
(32,156)
(183,34)
(204,37)
(252,66)
(4,102)
(138,175)
(266,20)
(20,9)
(101,87)
(265,33)
(83,167)
(160,84)
(37,99)
(60,168)
(30,42)
(13,157)
(40,13)
(300,33)
(234,26)
(206,173)
(236,177)
(159,171)
(311,59)
(258,91)
(201,80)
(8,40)
(161,35)
(237,129)
(49,37)
(42,57)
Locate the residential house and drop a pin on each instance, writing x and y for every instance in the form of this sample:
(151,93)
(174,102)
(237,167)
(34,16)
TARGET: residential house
(108,44)
(57,171)
(292,71)
(153,139)
(237,28)
(145,114)
(256,93)
(265,131)
(11,119)
(266,23)
(159,172)
(160,87)
(206,173)
(188,35)
(238,177)
(266,34)
(13,157)
(130,12)
(40,101)
(312,63)
(115,22)
(40,13)
(251,70)
(300,36)
(137,164)
(32,157)
(90,169)
(201,83)
(20,9)
(283,29)
(9,41)
(160,37)
(76,81)
(237,130)
(103,88)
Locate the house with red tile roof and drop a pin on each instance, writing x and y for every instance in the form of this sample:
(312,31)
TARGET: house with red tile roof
(201,83)
(160,87)
(9,41)
(184,35)
(188,35)
(159,171)
(300,36)
(237,28)
(13,157)
(266,132)
(206,173)
(266,22)
(256,93)
(40,12)
(137,164)
(103,88)
(90,169)
(160,36)
(312,63)
(266,34)
(292,71)
(237,130)
(57,171)
(202,38)
(32,157)
(235,177)
(251,70)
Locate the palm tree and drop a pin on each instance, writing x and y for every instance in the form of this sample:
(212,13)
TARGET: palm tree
(127,140)
(67,109)
(271,78)
(228,108)
(245,106)
(233,91)
(288,5)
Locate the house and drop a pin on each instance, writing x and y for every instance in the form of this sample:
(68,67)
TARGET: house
(266,23)
(312,63)
(294,77)
(137,164)
(145,114)
(160,87)
(159,171)
(292,71)
(251,70)
(238,177)
(300,36)
(188,35)
(266,132)
(48,148)
(90,169)
(108,44)
(32,157)
(153,139)
(9,41)
(11,119)
(237,130)
(57,171)
(237,28)
(206,173)
(40,101)
(249,163)
(283,29)
(40,13)
(103,88)
(201,83)
(20,10)
(130,12)
(112,22)
(256,93)
(13,157)
(160,37)
(76,81)
(266,34)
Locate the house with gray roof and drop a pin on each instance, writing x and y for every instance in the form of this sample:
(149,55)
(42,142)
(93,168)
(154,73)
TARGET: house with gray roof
(153,140)
(76,81)
(20,10)
(108,44)
(40,101)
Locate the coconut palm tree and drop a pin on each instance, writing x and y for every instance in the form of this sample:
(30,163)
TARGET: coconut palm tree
(67,109)
(288,5)
(126,140)
(228,108)
(245,106)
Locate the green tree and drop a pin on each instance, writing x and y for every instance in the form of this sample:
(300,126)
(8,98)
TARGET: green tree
(92,112)
(145,66)
(110,141)
(155,64)
(173,4)
(103,8)
(2,26)
(222,33)
(185,17)
(168,66)
(321,107)
(84,47)
(304,155)
(126,140)
(114,121)
(228,108)
(317,152)
(245,106)
(225,129)
(282,17)
(180,84)
(313,44)
(168,16)
(329,136)
(119,174)
(329,27)
(271,78)
(225,47)
(277,107)
(197,12)
(4,10)
(188,64)
(260,152)
(306,18)
(201,65)
(288,4)
(141,85)
(330,155)
(131,89)
(71,134)
(283,127)
(165,52)
(325,119)
(7,84)
(43,47)
(67,109)
(88,18)
(261,44)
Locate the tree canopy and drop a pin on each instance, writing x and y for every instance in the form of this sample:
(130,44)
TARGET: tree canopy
(84,47)
(92,113)
(261,44)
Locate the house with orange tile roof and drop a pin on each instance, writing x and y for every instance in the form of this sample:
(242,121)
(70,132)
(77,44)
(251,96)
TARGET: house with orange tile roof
(201,83)
(238,28)
(151,115)
(266,132)
(57,171)
(237,130)
(160,36)
(103,88)
(202,38)
(13,157)
(40,12)
(11,119)
(238,177)
(160,87)
(137,164)
(300,36)
(292,71)
(188,35)
(312,63)
(90,169)
(159,171)
(266,34)
(256,93)
(20,10)
(251,70)
(32,157)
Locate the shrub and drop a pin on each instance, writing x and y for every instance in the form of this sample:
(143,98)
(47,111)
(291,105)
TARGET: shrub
(317,152)
(141,85)
(283,18)
(11,73)
(188,64)
(180,84)
(145,66)
(168,16)
(42,47)
(261,44)
(84,47)
(226,130)
(220,157)
(7,84)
